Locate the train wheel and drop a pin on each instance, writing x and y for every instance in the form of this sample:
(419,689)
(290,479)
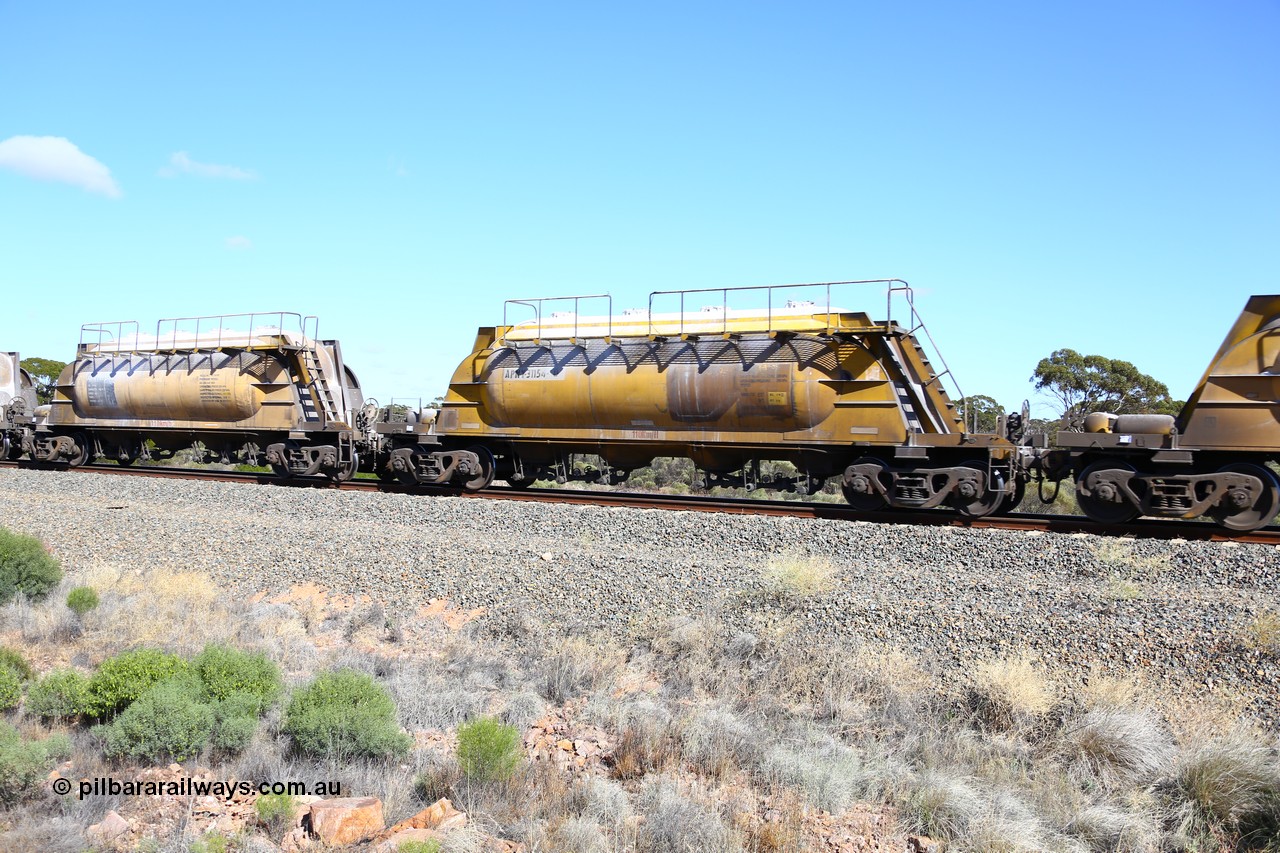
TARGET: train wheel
(386,475)
(1243,510)
(1013,498)
(971,500)
(484,476)
(1099,496)
(347,471)
(282,469)
(859,490)
(84,452)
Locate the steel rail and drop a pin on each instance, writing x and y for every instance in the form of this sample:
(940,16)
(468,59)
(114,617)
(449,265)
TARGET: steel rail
(1028,522)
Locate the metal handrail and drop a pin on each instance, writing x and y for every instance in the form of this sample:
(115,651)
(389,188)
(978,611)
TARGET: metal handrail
(916,324)
(104,328)
(769,289)
(279,316)
(536,304)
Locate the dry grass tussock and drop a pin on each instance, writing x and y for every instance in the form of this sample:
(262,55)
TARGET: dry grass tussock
(1123,589)
(826,678)
(793,576)
(718,741)
(1195,720)
(1120,554)
(827,775)
(576,666)
(1104,690)
(156,607)
(178,611)
(1262,632)
(943,805)
(1119,747)
(676,821)
(1115,828)
(1010,693)
(1227,788)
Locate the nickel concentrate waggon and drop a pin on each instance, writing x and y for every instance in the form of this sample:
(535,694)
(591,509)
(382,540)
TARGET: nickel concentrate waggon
(834,392)
(243,387)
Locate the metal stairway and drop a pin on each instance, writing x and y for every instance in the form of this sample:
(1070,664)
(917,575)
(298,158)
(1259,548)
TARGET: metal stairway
(317,402)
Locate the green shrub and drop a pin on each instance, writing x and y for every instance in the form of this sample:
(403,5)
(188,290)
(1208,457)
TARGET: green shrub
(236,720)
(488,749)
(233,734)
(431,845)
(82,599)
(26,567)
(14,670)
(24,764)
(213,842)
(61,694)
(275,812)
(10,689)
(123,678)
(13,659)
(344,714)
(169,721)
(226,671)
(57,747)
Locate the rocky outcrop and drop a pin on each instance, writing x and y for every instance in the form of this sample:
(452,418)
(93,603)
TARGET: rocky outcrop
(346,820)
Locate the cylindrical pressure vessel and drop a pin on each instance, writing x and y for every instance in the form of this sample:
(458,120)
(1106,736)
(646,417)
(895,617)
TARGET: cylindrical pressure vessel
(734,395)
(211,387)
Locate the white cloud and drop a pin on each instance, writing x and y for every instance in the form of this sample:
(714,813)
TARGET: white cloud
(55,158)
(181,164)
(239,243)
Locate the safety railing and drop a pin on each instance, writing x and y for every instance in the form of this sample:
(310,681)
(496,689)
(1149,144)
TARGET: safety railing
(113,331)
(175,331)
(538,304)
(773,311)
(202,332)
(915,326)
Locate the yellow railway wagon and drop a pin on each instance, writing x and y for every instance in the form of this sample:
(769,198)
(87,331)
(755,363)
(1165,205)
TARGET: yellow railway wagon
(1210,460)
(833,391)
(247,387)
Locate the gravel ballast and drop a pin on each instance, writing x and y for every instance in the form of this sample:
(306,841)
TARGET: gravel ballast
(1178,611)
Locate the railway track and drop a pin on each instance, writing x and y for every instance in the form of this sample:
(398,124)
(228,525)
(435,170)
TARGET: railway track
(1144,528)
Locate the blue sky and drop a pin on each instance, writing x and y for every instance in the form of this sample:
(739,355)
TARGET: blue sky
(1101,176)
